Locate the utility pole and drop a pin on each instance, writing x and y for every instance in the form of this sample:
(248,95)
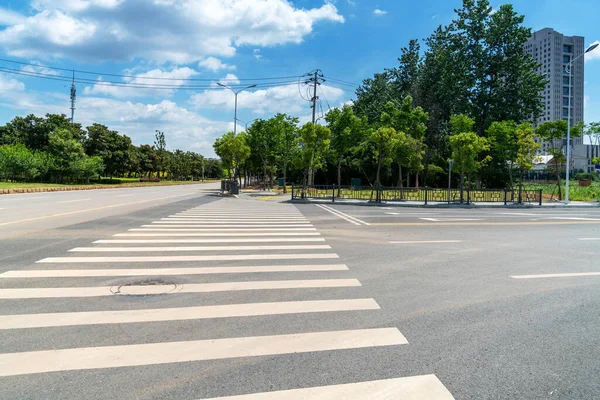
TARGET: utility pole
(73,98)
(316,80)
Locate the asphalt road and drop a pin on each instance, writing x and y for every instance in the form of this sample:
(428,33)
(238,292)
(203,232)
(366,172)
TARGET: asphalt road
(199,297)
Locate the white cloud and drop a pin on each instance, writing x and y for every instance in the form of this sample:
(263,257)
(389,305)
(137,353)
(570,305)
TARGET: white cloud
(594,54)
(230,79)
(586,100)
(215,65)
(494,10)
(188,31)
(38,68)
(179,76)
(257,54)
(184,128)
(8,17)
(264,101)
(377,11)
(9,84)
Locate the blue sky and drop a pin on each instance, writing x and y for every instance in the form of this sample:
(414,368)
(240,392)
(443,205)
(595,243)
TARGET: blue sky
(348,40)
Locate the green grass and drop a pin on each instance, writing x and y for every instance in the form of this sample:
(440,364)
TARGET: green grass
(576,192)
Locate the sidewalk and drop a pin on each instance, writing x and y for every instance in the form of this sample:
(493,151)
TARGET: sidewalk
(420,204)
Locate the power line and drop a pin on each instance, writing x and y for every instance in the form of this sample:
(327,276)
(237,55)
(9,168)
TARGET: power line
(146,77)
(138,85)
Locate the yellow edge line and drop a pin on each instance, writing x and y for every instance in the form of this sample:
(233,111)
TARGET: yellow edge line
(267,198)
(91,209)
(484,223)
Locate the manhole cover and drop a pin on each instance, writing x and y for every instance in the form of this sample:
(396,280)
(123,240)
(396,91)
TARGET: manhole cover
(145,288)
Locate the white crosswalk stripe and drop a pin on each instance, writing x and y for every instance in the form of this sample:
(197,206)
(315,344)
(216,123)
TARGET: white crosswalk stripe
(229,245)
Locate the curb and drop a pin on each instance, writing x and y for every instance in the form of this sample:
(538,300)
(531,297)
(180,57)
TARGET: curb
(461,206)
(71,188)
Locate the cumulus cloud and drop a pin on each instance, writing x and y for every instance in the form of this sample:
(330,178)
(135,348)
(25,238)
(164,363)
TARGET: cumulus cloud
(264,101)
(175,77)
(8,17)
(257,54)
(177,31)
(9,84)
(184,128)
(379,12)
(214,64)
(595,54)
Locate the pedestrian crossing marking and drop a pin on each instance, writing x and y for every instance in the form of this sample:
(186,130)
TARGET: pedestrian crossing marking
(24,321)
(100,291)
(424,387)
(198,248)
(232,257)
(33,362)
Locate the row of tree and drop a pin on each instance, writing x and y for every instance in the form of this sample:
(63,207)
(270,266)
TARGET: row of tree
(52,149)
(469,96)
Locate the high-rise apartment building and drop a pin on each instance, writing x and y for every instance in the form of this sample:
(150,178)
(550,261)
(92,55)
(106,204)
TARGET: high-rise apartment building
(553,51)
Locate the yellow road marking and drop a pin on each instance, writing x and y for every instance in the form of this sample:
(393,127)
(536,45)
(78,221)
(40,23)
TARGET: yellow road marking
(91,209)
(267,198)
(484,223)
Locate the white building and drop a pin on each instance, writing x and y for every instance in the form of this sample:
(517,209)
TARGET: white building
(553,51)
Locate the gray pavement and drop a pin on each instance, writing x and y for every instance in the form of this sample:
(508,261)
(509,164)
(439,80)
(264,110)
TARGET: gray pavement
(472,304)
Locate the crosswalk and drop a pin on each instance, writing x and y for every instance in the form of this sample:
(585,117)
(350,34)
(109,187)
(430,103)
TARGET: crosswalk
(228,246)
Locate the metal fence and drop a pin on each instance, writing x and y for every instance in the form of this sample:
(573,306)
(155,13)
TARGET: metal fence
(424,195)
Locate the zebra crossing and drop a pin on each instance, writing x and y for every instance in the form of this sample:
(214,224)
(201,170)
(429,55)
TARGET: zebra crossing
(226,247)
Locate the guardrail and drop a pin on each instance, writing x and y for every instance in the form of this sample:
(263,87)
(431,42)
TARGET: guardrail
(425,195)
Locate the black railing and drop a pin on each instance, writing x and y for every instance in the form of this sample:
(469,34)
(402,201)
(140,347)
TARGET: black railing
(424,195)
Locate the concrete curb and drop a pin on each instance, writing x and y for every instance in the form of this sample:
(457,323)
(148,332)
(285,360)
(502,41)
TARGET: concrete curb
(71,188)
(471,206)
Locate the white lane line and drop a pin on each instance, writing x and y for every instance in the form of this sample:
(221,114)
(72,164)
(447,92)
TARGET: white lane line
(33,362)
(450,219)
(589,239)
(231,230)
(79,273)
(162,225)
(520,214)
(225,240)
(198,248)
(127,195)
(100,291)
(168,234)
(337,215)
(344,215)
(568,275)
(182,313)
(422,387)
(391,213)
(73,201)
(575,218)
(232,257)
(227,221)
(426,241)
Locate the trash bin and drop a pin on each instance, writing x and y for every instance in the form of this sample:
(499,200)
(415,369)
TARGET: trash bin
(355,182)
(234,188)
(280,182)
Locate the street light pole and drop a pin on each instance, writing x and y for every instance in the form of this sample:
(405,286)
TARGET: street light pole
(235,92)
(570,68)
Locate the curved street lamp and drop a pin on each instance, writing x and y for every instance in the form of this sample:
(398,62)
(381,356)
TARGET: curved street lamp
(570,70)
(236,92)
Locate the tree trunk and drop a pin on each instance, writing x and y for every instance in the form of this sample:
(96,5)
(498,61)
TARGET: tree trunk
(264,176)
(462,186)
(377,181)
(510,175)
(417,181)
(339,178)
(285,177)
(399,175)
(407,178)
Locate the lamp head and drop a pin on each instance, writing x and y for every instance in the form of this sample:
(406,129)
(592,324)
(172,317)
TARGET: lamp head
(592,47)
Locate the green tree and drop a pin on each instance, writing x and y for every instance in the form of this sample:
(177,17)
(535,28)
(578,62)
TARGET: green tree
(373,95)
(404,78)
(160,144)
(233,151)
(314,141)
(554,132)
(347,132)
(65,149)
(114,149)
(84,168)
(286,130)
(467,147)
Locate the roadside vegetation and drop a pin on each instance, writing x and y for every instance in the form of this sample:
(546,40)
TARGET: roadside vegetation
(52,150)
(455,96)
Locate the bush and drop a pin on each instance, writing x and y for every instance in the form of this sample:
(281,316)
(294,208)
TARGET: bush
(19,163)
(587,176)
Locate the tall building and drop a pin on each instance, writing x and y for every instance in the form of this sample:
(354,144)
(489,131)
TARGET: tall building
(553,51)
